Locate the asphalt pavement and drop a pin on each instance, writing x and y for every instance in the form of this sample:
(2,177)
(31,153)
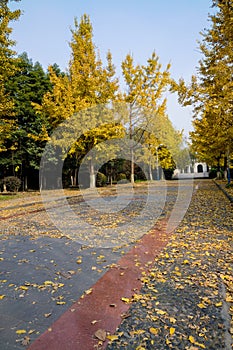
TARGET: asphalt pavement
(45,272)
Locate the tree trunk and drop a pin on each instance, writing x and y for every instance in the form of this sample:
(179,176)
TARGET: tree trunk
(75,176)
(132,166)
(25,183)
(225,168)
(92,175)
(150,172)
(131,146)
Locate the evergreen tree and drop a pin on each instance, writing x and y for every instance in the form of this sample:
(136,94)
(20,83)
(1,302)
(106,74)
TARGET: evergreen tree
(27,140)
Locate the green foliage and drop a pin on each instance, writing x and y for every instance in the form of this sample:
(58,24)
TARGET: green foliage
(101,179)
(12,183)
(24,146)
(213,173)
(121,176)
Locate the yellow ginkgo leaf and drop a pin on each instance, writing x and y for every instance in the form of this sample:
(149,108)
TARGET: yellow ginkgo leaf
(185,262)
(218,304)
(48,283)
(160,312)
(172,320)
(126,300)
(154,331)
(191,339)
(172,330)
(21,331)
(229,299)
(23,287)
(138,331)
(2,296)
(201,306)
(112,337)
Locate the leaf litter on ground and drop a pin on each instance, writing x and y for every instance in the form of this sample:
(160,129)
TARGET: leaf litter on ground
(186,301)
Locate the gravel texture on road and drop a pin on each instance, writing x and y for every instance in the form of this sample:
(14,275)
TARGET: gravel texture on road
(186,301)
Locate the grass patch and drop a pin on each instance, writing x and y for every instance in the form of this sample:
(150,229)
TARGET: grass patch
(7,196)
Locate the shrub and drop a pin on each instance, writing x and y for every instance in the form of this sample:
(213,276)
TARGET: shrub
(230,185)
(213,173)
(101,179)
(168,173)
(121,176)
(12,183)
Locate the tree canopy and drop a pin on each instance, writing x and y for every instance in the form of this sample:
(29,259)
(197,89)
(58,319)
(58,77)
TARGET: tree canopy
(41,111)
(211,90)
(8,67)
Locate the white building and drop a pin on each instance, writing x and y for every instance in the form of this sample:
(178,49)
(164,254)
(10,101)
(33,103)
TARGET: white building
(198,170)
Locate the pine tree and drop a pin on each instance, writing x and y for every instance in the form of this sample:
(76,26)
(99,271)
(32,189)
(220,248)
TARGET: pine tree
(25,145)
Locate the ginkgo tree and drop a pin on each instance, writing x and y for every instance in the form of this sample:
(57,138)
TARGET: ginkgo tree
(145,89)
(162,145)
(7,69)
(211,90)
(86,85)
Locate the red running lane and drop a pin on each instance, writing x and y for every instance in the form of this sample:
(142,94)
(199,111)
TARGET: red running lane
(75,329)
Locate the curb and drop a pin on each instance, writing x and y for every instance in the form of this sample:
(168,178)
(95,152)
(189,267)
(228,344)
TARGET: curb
(224,191)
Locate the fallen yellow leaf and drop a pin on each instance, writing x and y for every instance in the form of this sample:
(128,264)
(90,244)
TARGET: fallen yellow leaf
(160,312)
(172,330)
(137,332)
(21,331)
(126,300)
(229,299)
(191,339)
(48,283)
(172,320)
(88,291)
(154,331)
(218,304)
(201,306)
(112,337)
(23,288)
(185,262)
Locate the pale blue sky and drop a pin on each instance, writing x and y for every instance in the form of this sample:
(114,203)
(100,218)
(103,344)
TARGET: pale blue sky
(169,27)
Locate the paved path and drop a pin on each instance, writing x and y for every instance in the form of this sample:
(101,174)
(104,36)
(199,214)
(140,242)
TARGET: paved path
(43,274)
(186,301)
(42,271)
